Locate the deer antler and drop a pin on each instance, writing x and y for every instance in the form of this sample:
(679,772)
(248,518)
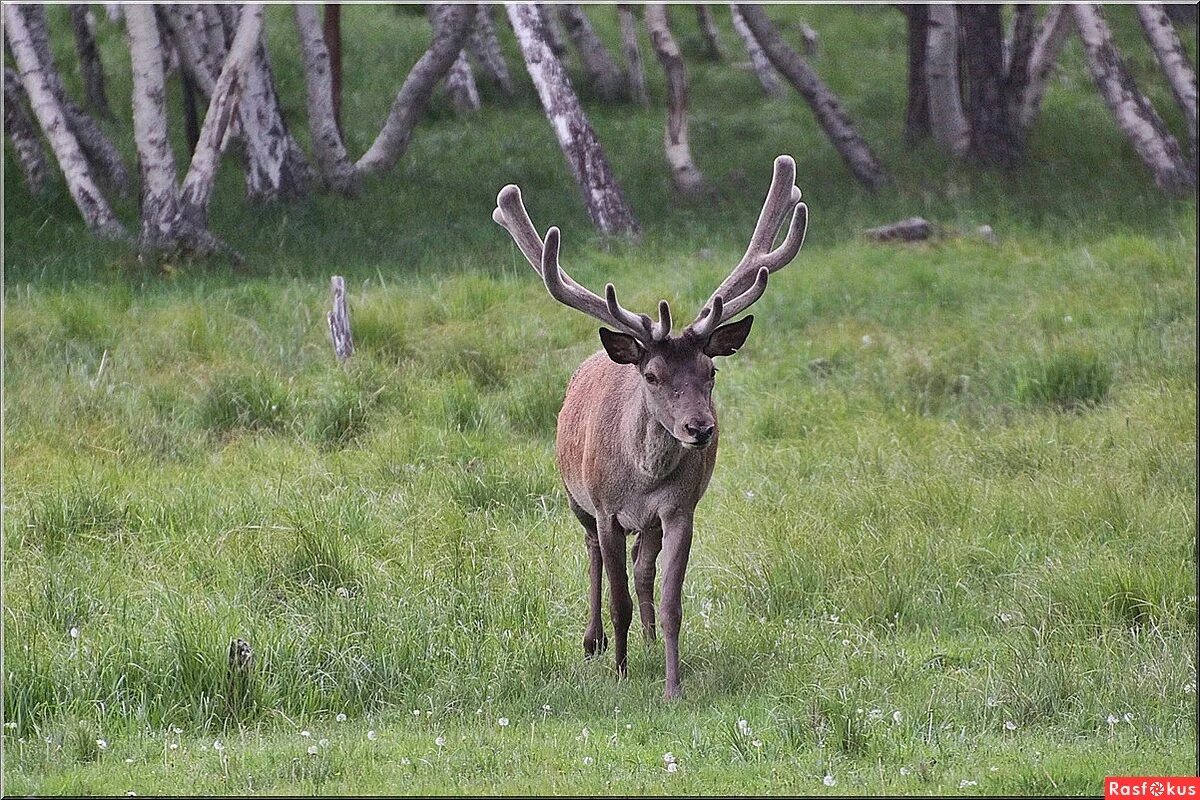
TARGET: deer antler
(542,255)
(748,280)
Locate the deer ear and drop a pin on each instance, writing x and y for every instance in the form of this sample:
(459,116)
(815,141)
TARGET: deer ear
(621,347)
(727,339)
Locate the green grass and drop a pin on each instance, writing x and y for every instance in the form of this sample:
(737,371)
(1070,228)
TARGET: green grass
(951,536)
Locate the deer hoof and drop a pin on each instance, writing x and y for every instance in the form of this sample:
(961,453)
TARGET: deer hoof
(594,645)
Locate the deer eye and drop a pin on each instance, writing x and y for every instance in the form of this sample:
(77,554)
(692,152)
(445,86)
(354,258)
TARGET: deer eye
(651,378)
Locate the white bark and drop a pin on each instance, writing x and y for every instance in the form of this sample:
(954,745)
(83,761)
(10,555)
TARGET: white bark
(27,147)
(556,37)
(339,320)
(601,71)
(332,160)
(89,61)
(484,47)
(410,102)
(708,30)
(460,83)
(1051,34)
(187,31)
(52,119)
(635,76)
(947,122)
(686,177)
(276,168)
(602,196)
(763,70)
(1134,114)
(1174,61)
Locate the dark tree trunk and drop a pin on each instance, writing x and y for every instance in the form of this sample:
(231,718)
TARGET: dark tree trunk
(191,120)
(333,43)
(708,31)
(994,141)
(484,46)
(916,114)
(635,76)
(829,111)
(600,69)
(602,196)
(89,61)
(27,147)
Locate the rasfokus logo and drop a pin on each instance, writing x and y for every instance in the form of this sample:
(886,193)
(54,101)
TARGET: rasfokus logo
(1152,787)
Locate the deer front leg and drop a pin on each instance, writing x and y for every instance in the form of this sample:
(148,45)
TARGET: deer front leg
(594,640)
(645,554)
(677,545)
(612,549)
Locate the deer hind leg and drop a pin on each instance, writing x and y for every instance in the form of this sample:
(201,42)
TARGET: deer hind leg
(645,557)
(594,640)
(612,550)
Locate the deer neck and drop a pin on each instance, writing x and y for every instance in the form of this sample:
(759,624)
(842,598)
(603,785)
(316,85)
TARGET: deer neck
(653,451)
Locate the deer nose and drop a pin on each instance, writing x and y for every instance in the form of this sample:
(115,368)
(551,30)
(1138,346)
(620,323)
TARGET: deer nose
(700,431)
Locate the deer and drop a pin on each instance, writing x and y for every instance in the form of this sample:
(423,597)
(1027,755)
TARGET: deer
(637,434)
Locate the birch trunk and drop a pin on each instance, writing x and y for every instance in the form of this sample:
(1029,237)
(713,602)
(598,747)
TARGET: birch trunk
(758,59)
(556,37)
(27,148)
(276,168)
(331,27)
(993,141)
(1134,114)
(333,162)
(1047,43)
(89,61)
(484,47)
(52,118)
(191,42)
(448,41)
(916,113)
(196,192)
(97,147)
(826,107)
(1174,61)
(708,32)
(635,76)
(602,196)
(684,175)
(599,69)
(946,119)
(460,81)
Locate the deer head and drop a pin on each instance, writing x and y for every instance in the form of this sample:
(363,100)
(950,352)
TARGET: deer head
(677,371)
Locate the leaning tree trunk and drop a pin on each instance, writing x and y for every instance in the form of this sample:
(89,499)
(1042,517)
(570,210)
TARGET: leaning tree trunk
(600,70)
(1018,50)
(708,32)
(758,60)
(556,37)
(635,76)
(1134,114)
(484,47)
(1174,61)
(916,113)
(993,140)
(196,191)
(684,174)
(89,61)
(100,151)
(410,102)
(276,168)
(602,196)
(946,119)
(186,30)
(826,107)
(27,147)
(460,81)
(52,118)
(333,162)
(1047,43)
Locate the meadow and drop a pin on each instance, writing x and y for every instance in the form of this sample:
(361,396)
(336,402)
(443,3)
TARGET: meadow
(949,547)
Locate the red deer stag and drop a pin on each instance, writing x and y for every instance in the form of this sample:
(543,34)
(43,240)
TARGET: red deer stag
(637,433)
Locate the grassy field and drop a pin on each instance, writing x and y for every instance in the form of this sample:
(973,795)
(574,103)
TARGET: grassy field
(949,546)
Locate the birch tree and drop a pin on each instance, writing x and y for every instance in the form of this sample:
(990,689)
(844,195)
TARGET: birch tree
(460,80)
(599,69)
(602,196)
(484,46)
(826,107)
(685,176)
(89,61)
(1134,114)
(992,138)
(758,59)
(52,117)
(22,132)
(1174,62)
(635,75)
(333,162)
(708,32)
(947,122)
(1052,32)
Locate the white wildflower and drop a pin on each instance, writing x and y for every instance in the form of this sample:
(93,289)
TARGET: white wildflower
(874,715)
(992,702)
(905,771)
(588,761)
(1112,720)
(218,746)
(343,592)
(743,727)
(416,712)
(102,744)
(1009,725)
(440,741)
(312,749)
(1127,716)
(502,722)
(586,733)
(867,341)
(340,718)
(74,632)
(372,735)
(668,758)
(829,780)
(305,734)
(173,746)
(897,716)
(672,767)
(756,742)
(405,762)
(324,743)
(129,761)
(964,783)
